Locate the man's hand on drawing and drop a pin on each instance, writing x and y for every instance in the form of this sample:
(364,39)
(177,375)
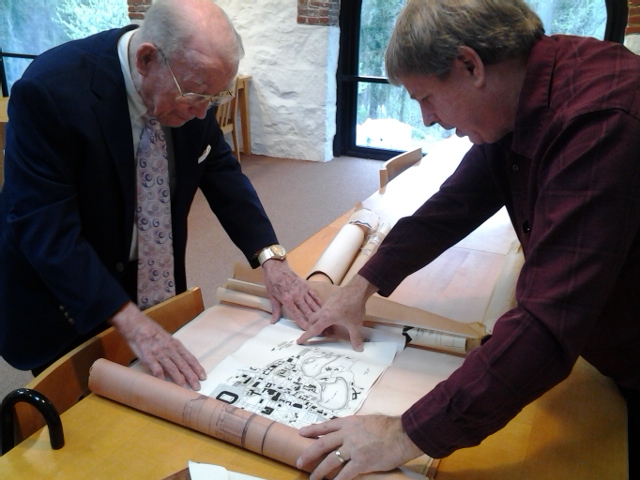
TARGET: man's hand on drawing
(160,352)
(350,446)
(287,289)
(345,308)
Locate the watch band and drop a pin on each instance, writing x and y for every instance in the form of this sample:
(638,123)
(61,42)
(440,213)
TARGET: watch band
(276,252)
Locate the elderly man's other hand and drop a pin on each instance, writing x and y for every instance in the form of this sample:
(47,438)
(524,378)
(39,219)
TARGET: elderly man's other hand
(350,446)
(287,289)
(160,352)
(346,308)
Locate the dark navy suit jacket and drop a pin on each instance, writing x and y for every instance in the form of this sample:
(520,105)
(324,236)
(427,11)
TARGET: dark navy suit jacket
(67,206)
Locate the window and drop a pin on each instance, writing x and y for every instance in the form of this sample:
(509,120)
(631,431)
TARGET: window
(376,119)
(38,25)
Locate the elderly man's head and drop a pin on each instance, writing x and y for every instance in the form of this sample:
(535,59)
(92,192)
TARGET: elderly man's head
(186,53)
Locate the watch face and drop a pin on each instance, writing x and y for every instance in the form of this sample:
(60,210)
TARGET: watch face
(278,250)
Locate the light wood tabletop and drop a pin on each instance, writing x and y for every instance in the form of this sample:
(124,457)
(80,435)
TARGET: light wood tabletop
(577,430)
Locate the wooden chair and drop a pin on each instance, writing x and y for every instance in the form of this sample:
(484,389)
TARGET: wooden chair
(226,116)
(65,382)
(398,164)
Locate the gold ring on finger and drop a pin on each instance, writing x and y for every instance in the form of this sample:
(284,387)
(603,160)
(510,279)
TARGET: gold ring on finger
(340,457)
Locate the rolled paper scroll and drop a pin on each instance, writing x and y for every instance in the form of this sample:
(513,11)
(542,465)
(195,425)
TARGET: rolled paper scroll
(379,310)
(198,412)
(339,255)
(416,337)
(367,250)
(244,299)
(217,419)
(432,339)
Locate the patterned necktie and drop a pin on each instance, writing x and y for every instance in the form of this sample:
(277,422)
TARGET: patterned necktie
(155,243)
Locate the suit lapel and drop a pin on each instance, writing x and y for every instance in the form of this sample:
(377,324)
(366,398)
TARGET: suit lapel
(187,146)
(112,111)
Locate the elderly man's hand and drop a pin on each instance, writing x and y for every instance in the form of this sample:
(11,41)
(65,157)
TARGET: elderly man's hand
(287,289)
(161,353)
(346,308)
(350,446)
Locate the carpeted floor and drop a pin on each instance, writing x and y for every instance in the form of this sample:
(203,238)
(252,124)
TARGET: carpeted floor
(300,197)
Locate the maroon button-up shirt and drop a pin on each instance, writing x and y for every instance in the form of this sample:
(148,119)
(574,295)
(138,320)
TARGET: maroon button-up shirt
(569,175)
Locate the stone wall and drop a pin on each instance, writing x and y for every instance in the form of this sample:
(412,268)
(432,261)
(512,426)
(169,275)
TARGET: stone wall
(293,88)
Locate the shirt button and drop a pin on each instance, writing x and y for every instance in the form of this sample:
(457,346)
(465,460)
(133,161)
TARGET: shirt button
(119,267)
(515,168)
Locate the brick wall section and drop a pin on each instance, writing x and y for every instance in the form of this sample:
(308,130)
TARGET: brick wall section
(633,24)
(137,8)
(319,12)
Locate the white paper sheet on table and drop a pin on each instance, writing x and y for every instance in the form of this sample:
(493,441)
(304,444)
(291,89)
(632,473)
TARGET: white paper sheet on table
(205,471)
(298,384)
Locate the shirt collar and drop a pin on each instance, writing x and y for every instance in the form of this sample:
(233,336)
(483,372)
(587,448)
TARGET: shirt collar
(137,108)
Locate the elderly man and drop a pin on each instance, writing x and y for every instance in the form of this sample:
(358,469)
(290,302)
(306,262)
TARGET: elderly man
(109,139)
(556,125)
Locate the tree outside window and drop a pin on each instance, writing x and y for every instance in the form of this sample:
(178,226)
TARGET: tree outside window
(31,27)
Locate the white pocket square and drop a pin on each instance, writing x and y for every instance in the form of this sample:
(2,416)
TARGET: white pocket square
(205,154)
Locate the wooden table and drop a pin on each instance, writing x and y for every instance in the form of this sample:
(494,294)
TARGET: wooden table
(243,108)
(4,118)
(575,431)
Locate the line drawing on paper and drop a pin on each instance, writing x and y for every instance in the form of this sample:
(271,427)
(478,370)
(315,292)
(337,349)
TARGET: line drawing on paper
(298,385)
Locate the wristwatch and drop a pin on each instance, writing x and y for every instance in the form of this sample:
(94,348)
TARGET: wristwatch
(277,252)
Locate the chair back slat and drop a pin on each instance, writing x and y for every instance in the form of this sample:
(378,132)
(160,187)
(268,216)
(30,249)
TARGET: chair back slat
(65,382)
(398,164)
(226,117)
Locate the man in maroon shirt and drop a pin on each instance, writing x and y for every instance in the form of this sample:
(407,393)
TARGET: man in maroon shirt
(556,127)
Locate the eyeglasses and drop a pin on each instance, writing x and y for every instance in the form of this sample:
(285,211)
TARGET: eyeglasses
(196,99)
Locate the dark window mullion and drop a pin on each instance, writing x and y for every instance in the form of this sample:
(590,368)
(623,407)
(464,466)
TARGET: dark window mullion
(617,18)
(347,66)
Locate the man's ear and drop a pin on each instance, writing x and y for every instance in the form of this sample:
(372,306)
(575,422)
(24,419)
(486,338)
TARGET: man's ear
(472,63)
(145,56)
